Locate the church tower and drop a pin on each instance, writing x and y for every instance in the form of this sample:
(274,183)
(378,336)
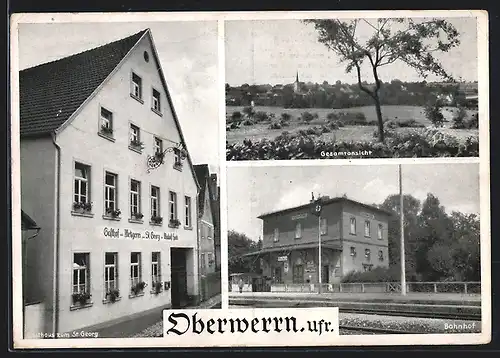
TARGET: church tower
(296,85)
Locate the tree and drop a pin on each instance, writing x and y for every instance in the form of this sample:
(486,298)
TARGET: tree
(433,113)
(385,46)
(238,245)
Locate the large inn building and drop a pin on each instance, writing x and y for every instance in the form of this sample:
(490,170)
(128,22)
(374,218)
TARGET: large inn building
(353,238)
(118,234)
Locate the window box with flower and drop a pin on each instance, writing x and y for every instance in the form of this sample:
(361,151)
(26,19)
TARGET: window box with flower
(138,288)
(82,209)
(113,295)
(175,223)
(136,144)
(113,213)
(137,216)
(81,298)
(157,220)
(157,287)
(106,130)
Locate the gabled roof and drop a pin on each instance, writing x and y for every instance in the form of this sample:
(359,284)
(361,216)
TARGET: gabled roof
(27,223)
(325,202)
(51,92)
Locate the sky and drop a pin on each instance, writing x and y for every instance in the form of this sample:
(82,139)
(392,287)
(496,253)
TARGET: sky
(252,191)
(188,56)
(272,51)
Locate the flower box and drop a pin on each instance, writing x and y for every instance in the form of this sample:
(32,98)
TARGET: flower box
(137,216)
(83,207)
(113,212)
(112,295)
(81,298)
(138,287)
(136,144)
(157,287)
(175,223)
(106,130)
(157,219)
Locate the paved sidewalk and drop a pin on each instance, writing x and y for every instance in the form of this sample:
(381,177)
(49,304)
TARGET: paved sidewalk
(413,297)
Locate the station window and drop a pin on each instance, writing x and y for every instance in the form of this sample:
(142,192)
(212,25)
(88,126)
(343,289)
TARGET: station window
(353,226)
(367,229)
(276,235)
(380,231)
(367,254)
(381,255)
(298,230)
(324,226)
(353,251)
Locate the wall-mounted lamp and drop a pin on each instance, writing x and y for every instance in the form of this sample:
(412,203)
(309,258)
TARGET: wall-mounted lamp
(154,161)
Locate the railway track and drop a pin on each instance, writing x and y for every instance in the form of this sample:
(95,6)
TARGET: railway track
(373,330)
(401,312)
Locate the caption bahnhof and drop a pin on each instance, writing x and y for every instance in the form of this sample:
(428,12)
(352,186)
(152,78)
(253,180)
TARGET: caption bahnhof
(110,197)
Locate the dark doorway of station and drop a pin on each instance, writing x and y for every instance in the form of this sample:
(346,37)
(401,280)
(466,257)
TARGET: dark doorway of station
(325,277)
(179,288)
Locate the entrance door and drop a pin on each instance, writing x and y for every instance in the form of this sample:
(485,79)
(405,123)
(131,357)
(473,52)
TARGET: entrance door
(325,275)
(298,274)
(178,286)
(278,278)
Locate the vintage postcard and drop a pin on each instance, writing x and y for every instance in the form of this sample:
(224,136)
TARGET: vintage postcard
(154,204)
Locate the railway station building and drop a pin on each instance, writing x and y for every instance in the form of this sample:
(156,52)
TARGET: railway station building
(107,175)
(353,238)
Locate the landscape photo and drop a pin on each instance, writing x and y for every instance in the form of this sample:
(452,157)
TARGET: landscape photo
(352,88)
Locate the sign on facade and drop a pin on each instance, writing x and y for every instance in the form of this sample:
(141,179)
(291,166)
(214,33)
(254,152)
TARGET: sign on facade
(310,266)
(112,233)
(282,258)
(299,216)
(367,215)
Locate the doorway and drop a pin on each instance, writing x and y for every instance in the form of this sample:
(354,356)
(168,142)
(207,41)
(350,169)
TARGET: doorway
(278,276)
(178,287)
(325,275)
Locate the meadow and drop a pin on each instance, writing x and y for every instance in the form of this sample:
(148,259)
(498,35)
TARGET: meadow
(348,133)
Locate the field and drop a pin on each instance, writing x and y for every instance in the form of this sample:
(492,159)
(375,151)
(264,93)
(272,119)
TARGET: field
(260,131)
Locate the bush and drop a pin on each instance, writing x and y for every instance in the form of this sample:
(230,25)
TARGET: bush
(275,125)
(249,111)
(248,123)
(236,116)
(427,143)
(307,116)
(378,274)
(458,120)
(353,118)
(332,116)
(372,123)
(411,123)
(473,123)
(333,125)
(325,129)
(261,116)
(433,113)
(286,117)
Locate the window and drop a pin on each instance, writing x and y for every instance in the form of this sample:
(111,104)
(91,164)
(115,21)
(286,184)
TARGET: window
(135,199)
(158,145)
(353,226)
(156,101)
(81,273)
(337,271)
(187,211)
(298,230)
(82,175)
(276,235)
(381,255)
(155,201)
(172,201)
(324,226)
(367,254)
(367,267)
(106,122)
(202,261)
(353,251)
(135,137)
(177,158)
(367,229)
(210,258)
(135,269)
(298,274)
(110,192)
(136,86)
(110,272)
(379,232)
(155,267)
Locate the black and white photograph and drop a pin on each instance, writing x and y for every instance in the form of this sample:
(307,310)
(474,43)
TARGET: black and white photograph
(312,236)
(119,197)
(352,88)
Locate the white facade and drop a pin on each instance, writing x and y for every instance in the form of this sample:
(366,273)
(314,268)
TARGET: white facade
(48,192)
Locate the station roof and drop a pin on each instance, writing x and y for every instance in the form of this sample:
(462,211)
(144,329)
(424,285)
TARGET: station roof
(326,202)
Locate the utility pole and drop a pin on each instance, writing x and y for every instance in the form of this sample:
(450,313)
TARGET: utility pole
(402,254)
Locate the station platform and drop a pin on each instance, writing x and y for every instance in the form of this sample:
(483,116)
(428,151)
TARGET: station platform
(411,298)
